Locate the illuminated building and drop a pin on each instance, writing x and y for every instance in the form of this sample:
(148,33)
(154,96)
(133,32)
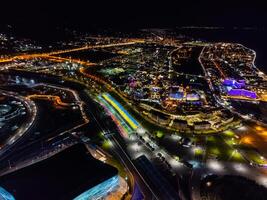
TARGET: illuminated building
(192,97)
(180,124)
(176,93)
(204,125)
(65,175)
(159,117)
(233,83)
(101,190)
(5,195)
(242,93)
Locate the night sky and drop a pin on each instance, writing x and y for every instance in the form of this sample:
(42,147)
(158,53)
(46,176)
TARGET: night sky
(131,14)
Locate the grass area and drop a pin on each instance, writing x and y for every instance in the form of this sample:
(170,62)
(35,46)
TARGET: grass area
(236,157)
(255,157)
(229,133)
(231,141)
(106,145)
(218,148)
(198,151)
(159,134)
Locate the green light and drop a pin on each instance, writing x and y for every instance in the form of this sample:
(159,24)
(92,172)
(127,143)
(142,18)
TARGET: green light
(231,142)
(236,155)
(211,139)
(256,158)
(198,151)
(215,151)
(160,134)
(229,133)
(106,144)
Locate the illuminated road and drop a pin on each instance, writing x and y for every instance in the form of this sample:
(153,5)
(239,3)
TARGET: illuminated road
(21,131)
(78,101)
(124,158)
(60,59)
(36,55)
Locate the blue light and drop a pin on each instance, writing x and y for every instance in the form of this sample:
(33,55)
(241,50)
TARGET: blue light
(177,95)
(121,107)
(100,190)
(233,83)
(5,195)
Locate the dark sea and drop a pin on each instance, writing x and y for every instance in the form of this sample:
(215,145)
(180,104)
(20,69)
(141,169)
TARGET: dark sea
(253,38)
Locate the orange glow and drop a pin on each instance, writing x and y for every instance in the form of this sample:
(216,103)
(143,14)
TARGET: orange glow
(263,133)
(259,128)
(219,68)
(35,55)
(246,140)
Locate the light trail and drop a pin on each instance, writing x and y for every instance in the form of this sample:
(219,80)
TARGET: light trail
(36,55)
(124,128)
(54,98)
(219,68)
(60,59)
(128,118)
(32,108)
(78,101)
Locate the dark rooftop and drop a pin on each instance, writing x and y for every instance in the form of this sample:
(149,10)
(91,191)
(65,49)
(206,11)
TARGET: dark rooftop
(63,176)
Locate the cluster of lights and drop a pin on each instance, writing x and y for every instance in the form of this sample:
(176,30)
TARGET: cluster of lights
(215,165)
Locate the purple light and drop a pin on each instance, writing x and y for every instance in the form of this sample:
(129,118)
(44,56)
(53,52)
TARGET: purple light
(242,92)
(233,83)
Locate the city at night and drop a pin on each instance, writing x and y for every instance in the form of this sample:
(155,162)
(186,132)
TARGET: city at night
(133,100)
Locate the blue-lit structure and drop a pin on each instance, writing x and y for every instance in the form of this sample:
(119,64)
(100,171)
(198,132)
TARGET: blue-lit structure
(100,190)
(234,84)
(5,195)
(176,95)
(65,175)
(243,93)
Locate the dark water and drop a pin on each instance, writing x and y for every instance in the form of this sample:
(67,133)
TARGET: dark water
(92,56)
(255,39)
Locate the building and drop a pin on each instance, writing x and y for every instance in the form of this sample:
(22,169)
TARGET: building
(242,93)
(192,97)
(203,125)
(159,117)
(180,124)
(235,84)
(70,174)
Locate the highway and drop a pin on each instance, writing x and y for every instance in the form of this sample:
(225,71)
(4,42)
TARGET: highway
(21,131)
(124,158)
(53,53)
